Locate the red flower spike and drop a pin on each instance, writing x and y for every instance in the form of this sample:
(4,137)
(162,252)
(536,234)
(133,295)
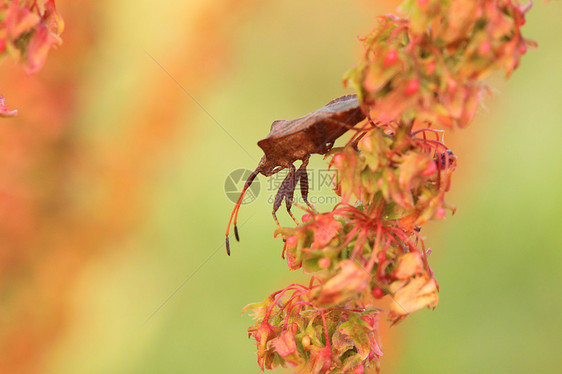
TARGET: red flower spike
(416,74)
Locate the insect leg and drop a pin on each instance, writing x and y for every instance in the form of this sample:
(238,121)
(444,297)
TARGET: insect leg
(281,194)
(302,175)
(277,203)
(291,214)
(290,190)
(237,208)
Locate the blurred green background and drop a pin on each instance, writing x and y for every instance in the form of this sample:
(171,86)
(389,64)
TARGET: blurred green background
(159,294)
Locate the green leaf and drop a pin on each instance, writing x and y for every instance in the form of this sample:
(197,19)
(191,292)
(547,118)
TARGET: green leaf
(357,330)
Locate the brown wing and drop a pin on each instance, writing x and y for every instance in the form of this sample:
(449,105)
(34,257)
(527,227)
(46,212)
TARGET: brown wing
(345,109)
(348,99)
(290,140)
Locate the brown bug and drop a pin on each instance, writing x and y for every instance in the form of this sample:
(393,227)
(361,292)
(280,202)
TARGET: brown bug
(292,140)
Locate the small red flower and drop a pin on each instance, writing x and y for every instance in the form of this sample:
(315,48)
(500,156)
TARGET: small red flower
(378,293)
(412,87)
(390,58)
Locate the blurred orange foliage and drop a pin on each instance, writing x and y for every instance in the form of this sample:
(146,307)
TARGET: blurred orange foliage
(62,200)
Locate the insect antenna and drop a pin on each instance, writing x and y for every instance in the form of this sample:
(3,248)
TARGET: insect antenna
(237,208)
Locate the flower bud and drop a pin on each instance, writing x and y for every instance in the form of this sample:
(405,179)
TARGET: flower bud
(291,241)
(378,293)
(338,160)
(412,87)
(324,263)
(367,143)
(390,58)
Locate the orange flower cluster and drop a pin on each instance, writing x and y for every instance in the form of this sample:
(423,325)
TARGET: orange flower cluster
(292,330)
(430,66)
(373,248)
(28,30)
(410,172)
(417,73)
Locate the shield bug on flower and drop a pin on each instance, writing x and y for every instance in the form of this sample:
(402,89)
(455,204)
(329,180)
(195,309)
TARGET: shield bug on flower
(296,139)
